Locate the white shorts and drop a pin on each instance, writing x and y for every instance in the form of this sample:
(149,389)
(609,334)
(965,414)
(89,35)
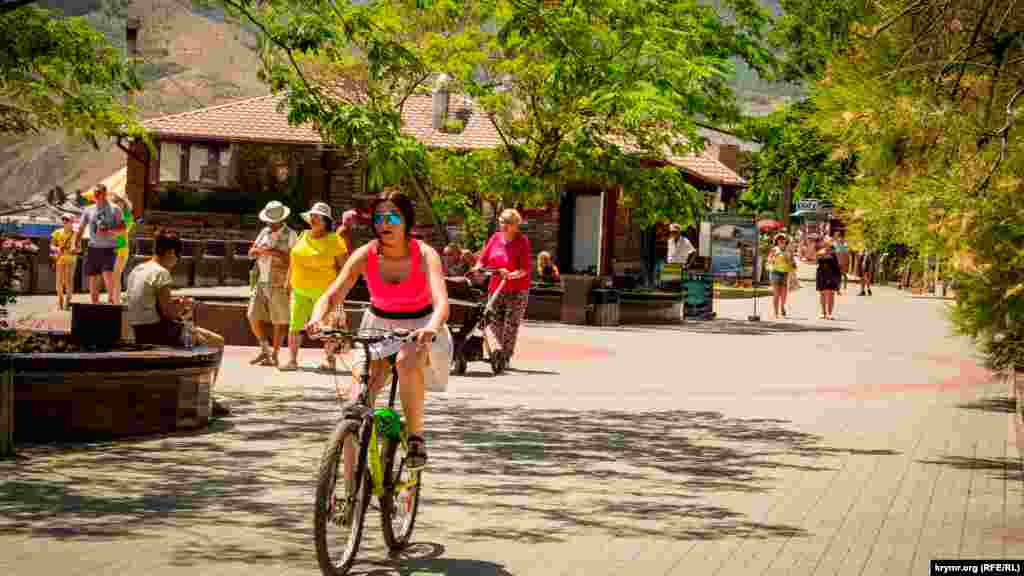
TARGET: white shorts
(439,357)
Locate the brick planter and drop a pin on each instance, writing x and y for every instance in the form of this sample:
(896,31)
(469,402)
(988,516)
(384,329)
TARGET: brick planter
(649,309)
(545,304)
(227,317)
(75,396)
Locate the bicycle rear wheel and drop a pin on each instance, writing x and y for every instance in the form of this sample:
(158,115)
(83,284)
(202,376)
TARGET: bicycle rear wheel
(341,505)
(401,498)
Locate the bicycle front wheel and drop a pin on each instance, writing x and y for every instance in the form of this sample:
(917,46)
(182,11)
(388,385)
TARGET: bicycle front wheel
(401,498)
(341,500)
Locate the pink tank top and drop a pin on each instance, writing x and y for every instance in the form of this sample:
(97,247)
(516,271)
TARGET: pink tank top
(409,298)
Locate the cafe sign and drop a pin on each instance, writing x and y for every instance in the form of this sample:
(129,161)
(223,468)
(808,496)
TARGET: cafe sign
(809,205)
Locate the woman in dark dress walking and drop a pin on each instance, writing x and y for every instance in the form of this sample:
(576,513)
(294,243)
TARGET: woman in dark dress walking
(828,279)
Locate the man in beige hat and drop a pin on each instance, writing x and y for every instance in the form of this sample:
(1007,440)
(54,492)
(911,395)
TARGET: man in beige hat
(680,249)
(269,301)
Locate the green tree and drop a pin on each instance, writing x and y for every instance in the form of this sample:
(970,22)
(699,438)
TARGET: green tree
(60,72)
(793,153)
(926,93)
(595,89)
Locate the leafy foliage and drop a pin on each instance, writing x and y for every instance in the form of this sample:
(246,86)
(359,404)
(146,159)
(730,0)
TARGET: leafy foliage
(61,73)
(572,87)
(793,152)
(926,93)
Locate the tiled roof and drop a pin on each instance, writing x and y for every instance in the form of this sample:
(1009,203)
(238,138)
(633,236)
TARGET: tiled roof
(702,165)
(250,120)
(259,120)
(477,133)
(714,137)
(707,168)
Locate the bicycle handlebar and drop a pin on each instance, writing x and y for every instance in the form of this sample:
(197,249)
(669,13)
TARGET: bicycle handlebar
(364,335)
(368,335)
(488,271)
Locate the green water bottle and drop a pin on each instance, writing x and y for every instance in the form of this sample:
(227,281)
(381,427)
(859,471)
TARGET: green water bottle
(389,423)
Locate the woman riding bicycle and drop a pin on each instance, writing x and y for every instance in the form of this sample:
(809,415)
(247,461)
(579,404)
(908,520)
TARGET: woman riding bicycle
(407,291)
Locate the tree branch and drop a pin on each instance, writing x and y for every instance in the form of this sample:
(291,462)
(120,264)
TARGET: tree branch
(896,18)
(416,84)
(974,40)
(1004,136)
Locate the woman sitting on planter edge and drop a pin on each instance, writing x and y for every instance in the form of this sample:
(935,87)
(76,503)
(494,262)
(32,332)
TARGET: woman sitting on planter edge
(156,317)
(547,272)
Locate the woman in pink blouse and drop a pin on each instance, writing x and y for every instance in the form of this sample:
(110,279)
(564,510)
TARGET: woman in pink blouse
(508,250)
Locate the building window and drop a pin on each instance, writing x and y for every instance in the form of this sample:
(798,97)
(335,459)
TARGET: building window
(170,162)
(195,163)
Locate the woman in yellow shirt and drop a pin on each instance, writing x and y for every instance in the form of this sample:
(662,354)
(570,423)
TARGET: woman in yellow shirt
(315,261)
(65,259)
(780,265)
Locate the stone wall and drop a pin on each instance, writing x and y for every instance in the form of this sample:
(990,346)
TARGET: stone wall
(542,229)
(103,395)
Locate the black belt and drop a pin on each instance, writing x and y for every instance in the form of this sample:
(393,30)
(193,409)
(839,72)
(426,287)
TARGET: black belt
(421,313)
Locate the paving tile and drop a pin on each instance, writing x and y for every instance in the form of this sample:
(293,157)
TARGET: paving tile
(863,446)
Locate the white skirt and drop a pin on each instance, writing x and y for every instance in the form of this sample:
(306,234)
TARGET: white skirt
(439,357)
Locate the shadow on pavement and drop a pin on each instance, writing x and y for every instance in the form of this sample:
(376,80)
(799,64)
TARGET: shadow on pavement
(999,404)
(242,492)
(1001,468)
(651,474)
(490,373)
(737,327)
(427,558)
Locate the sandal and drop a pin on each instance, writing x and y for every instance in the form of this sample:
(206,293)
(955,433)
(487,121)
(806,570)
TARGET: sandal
(289,367)
(259,359)
(269,361)
(416,457)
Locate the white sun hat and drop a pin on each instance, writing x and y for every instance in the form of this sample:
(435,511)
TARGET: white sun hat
(319,208)
(275,212)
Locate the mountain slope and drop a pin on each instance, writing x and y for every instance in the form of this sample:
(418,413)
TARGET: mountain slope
(190,60)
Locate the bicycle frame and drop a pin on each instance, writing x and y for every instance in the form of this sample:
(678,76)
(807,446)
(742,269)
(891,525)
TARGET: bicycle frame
(372,454)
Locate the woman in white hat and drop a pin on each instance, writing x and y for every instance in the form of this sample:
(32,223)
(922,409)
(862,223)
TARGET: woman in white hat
(269,301)
(316,259)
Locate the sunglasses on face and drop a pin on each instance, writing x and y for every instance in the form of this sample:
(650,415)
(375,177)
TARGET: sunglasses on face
(393,218)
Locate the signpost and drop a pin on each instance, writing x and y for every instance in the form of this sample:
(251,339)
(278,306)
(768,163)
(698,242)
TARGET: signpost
(808,205)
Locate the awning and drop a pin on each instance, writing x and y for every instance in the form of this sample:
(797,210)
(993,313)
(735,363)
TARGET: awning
(30,229)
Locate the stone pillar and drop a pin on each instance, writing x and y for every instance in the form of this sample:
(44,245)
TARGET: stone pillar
(576,297)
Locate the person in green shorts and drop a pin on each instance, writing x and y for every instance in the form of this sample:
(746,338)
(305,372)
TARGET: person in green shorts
(315,261)
(123,246)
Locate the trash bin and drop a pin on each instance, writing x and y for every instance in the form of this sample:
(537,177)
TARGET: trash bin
(576,297)
(606,307)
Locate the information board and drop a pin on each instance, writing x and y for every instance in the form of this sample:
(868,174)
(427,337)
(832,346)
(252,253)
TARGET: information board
(733,246)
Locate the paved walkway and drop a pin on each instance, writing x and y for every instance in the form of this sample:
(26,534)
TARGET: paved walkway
(866,445)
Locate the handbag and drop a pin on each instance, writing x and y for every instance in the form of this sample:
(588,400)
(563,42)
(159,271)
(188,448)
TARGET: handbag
(794,282)
(439,362)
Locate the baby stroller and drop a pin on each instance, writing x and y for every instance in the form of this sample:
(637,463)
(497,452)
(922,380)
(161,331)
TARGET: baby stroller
(469,340)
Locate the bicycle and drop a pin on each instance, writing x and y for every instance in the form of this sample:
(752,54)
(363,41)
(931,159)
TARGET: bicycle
(377,466)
